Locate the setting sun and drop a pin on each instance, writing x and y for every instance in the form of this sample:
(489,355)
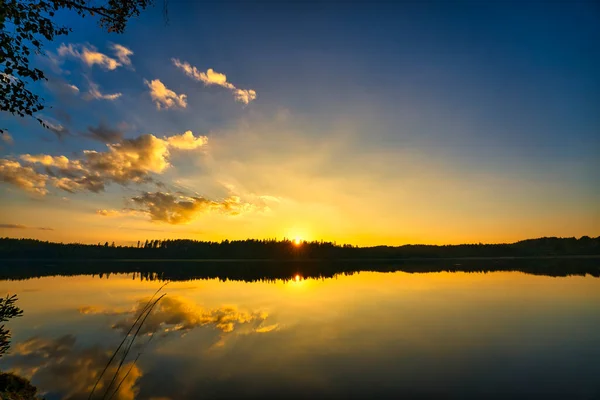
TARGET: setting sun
(297,241)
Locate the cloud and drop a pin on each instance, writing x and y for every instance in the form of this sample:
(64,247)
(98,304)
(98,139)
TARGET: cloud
(62,370)
(55,127)
(19,226)
(211,77)
(94,93)
(108,213)
(23,177)
(267,328)
(62,87)
(186,141)
(177,209)
(90,56)
(122,53)
(127,161)
(103,133)
(174,313)
(163,97)
(71,87)
(13,226)
(6,138)
(244,96)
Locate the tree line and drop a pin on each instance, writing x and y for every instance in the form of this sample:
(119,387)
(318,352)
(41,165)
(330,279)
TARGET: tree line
(290,250)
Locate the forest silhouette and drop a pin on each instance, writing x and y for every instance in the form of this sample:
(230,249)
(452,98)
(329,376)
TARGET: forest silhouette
(254,260)
(288,249)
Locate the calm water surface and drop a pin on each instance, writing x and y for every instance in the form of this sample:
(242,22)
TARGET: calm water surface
(369,335)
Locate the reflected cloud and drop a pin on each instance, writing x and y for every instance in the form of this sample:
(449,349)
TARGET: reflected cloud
(174,313)
(60,369)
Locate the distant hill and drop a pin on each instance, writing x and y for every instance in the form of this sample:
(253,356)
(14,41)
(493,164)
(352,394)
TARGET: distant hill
(252,249)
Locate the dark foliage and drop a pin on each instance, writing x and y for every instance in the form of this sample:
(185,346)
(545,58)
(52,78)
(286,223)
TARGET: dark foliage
(8,310)
(13,387)
(26,24)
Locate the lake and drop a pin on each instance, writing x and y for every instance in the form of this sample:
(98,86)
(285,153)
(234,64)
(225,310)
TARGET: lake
(457,335)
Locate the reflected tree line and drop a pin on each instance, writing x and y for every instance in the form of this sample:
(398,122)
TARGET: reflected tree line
(260,270)
(290,250)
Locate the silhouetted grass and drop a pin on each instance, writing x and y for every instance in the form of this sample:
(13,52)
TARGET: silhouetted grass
(141,318)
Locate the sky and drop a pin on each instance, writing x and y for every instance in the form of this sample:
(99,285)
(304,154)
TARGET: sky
(362,123)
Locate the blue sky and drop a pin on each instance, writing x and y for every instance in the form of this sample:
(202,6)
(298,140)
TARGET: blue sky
(386,123)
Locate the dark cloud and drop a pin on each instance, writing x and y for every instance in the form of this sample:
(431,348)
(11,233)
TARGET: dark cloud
(13,226)
(104,133)
(57,128)
(178,209)
(20,226)
(61,87)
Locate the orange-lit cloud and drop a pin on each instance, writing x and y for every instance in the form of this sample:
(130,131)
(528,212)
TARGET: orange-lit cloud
(211,77)
(267,328)
(128,161)
(90,56)
(23,177)
(108,213)
(163,97)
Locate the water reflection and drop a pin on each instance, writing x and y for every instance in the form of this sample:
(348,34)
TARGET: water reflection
(367,335)
(257,270)
(175,313)
(61,369)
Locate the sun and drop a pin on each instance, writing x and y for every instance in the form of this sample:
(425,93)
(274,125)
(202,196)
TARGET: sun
(297,241)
